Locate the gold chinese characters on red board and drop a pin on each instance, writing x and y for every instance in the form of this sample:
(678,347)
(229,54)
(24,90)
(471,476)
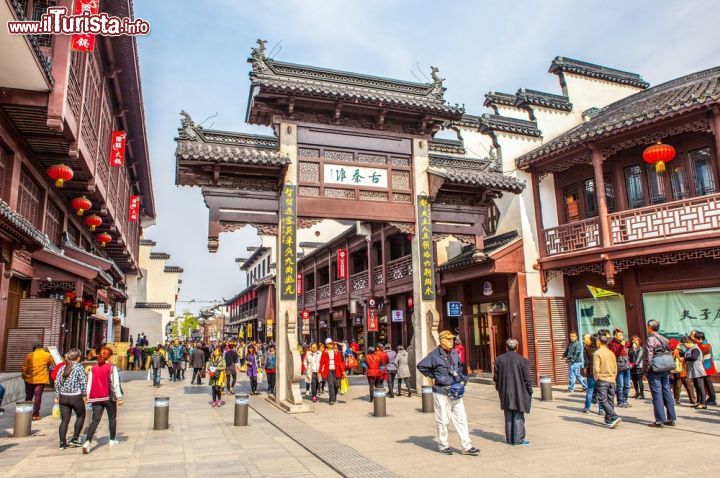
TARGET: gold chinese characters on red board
(117,148)
(84,42)
(342,263)
(424,232)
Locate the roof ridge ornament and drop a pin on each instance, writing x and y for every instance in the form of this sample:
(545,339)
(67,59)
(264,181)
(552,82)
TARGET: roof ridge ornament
(187,127)
(438,89)
(257,56)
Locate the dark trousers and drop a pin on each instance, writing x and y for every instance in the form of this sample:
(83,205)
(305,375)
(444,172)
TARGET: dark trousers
(69,404)
(662,397)
(155,376)
(699,383)
(391,383)
(34,392)
(253,384)
(197,376)
(606,393)
(230,375)
(679,383)
(176,371)
(216,393)
(638,384)
(314,385)
(271,382)
(97,409)
(709,389)
(407,384)
(373,383)
(333,386)
(514,426)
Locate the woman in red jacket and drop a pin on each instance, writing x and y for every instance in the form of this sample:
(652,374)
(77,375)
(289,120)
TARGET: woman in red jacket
(105,394)
(332,368)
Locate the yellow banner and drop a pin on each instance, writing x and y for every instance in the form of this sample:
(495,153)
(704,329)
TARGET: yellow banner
(598,293)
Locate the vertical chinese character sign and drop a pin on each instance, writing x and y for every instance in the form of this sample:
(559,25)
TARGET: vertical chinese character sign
(134,209)
(342,263)
(288,233)
(84,42)
(117,148)
(299,283)
(372,320)
(424,231)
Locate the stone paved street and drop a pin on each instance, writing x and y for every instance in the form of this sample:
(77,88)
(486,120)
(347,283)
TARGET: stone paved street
(347,439)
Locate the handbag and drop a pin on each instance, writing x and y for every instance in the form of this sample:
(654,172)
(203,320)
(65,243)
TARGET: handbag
(352,362)
(344,386)
(56,411)
(113,397)
(455,391)
(243,368)
(662,361)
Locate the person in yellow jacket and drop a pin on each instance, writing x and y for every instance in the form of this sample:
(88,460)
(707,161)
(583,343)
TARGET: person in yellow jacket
(36,374)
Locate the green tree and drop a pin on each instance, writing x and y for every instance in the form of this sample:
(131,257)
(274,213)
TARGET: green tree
(189,324)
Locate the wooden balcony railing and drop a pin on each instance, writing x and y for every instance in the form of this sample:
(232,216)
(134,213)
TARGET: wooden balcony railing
(339,287)
(662,221)
(572,236)
(378,277)
(323,292)
(309,296)
(359,281)
(399,268)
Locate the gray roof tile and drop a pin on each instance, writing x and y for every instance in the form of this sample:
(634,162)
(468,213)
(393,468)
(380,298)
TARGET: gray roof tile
(562,64)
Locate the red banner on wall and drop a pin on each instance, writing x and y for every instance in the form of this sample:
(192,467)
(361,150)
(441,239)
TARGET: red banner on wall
(134,209)
(372,320)
(342,264)
(117,148)
(82,41)
(299,283)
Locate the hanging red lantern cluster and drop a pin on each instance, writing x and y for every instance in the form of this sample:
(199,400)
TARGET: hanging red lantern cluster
(69,296)
(659,154)
(93,221)
(60,173)
(81,204)
(103,238)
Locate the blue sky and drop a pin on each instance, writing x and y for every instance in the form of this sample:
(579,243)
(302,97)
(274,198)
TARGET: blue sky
(194,59)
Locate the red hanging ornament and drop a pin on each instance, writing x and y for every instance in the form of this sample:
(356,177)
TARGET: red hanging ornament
(81,204)
(103,238)
(659,154)
(60,173)
(93,221)
(69,296)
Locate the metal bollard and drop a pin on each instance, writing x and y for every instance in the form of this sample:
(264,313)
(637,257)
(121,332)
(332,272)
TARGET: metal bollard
(162,413)
(379,402)
(241,410)
(546,388)
(88,416)
(23,419)
(427,399)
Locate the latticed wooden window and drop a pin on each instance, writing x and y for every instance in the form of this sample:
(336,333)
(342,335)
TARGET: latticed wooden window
(53,223)
(74,234)
(29,197)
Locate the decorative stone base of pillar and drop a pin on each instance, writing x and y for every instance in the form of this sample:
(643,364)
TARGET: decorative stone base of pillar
(288,407)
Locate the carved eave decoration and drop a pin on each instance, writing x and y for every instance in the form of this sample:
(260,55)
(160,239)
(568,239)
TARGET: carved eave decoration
(290,92)
(227,159)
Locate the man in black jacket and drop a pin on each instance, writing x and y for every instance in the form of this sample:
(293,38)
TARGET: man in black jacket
(443,366)
(511,375)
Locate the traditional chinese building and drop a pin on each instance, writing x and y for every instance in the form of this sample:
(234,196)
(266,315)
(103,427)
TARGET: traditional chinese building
(62,283)
(645,238)
(153,294)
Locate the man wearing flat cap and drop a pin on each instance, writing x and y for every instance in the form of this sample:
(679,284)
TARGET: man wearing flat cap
(444,367)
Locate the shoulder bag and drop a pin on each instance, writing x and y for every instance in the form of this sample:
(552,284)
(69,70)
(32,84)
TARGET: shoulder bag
(663,360)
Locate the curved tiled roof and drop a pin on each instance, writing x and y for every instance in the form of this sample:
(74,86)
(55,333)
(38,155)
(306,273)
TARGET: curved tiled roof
(474,173)
(17,225)
(173,269)
(680,96)
(312,81)
(540,98)
(159,255)
(506,124)
(562,64)
(148,242)
(152,305)
(449,146)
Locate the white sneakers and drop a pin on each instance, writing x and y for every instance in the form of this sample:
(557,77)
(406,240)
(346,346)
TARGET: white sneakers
(114,442)
(86,447)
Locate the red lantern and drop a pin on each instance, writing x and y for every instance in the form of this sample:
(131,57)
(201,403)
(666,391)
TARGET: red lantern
(69,296)
(103,238)
(93,221)
(410,303)
(659,154)
(81,204)
(60,173)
